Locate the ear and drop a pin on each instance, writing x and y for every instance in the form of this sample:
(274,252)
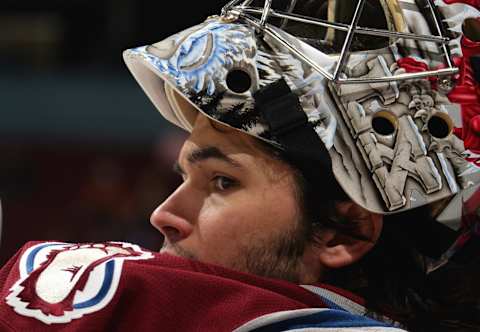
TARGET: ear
(337,250)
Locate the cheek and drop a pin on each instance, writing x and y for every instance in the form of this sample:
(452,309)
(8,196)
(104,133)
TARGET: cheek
(248,217)
(225,222)
(279,208)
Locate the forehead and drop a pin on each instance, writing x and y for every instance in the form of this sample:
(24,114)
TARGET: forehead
(207,132)
(247,150)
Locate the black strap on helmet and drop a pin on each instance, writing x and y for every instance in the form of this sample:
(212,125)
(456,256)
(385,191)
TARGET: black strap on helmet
(289,126)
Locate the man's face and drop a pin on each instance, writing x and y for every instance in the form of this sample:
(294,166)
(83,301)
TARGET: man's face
(236,208)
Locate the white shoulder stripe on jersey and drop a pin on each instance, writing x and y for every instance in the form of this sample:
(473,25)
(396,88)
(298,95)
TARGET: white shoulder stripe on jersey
(346,304)
(325,323)
(276,317)
(341,301)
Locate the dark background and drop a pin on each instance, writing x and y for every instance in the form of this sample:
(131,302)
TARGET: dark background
(84,155)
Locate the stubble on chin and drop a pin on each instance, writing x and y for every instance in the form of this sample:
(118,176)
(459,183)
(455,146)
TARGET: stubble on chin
(278,257)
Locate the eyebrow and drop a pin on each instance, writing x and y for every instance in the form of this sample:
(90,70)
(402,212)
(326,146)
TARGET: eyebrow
(202,154)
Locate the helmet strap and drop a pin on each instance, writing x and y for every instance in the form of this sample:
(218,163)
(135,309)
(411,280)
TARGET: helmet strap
(289,126)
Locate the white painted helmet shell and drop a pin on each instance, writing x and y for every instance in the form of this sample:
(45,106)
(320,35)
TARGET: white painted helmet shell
(385,169)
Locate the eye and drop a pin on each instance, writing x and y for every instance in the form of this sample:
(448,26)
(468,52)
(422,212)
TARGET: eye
(223,183)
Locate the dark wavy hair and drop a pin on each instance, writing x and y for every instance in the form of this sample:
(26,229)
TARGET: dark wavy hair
(394,281)
(392,277)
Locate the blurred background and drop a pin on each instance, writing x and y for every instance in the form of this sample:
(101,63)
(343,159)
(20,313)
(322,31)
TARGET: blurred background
(84,156)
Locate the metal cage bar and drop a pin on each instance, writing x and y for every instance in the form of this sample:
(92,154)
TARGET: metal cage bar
(244,10)
(229,6)
(265,13)
(344,27)
(439,31)
(272,33)
(348,40)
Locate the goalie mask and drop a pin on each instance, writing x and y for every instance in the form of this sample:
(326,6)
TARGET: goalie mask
(382,93)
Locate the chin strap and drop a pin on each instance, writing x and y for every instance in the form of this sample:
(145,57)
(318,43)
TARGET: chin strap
(289,126)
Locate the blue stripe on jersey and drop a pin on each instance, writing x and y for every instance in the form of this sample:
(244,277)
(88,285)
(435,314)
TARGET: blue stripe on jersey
(327,318)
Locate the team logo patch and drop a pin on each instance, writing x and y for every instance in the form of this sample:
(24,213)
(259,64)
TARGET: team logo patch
(60,281)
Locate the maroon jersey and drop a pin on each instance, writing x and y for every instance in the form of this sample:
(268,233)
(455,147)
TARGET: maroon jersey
(120,287)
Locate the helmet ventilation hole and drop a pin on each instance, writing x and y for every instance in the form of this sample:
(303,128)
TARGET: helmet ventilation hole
(238,81)
(384,123)
(440,125)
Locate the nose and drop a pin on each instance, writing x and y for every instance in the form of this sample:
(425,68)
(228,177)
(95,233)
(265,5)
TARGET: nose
(172,218)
